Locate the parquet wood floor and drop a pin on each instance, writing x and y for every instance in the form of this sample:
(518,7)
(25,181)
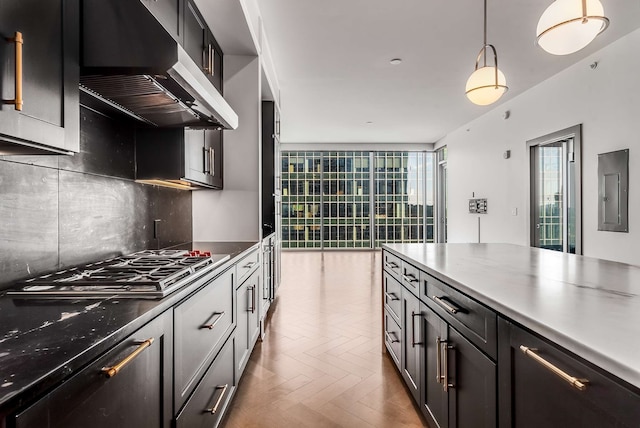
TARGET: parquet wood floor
(321,363)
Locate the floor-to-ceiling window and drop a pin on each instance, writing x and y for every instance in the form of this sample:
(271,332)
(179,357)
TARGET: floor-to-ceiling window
(356,199)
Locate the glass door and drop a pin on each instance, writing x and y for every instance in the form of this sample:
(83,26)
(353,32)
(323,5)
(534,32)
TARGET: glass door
(554,181)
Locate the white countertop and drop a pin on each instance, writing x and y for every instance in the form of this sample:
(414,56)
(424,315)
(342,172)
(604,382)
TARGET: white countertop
(588,306)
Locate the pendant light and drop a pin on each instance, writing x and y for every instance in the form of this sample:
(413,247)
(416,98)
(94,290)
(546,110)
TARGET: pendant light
(569,25)
(486,84)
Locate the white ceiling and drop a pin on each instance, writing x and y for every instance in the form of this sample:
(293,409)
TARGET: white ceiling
(332,59)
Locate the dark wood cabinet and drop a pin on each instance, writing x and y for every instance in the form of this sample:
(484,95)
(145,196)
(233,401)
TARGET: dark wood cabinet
(411,342)
(269,149)
(544,385)
(181,156)
(168,13)
(434,400)
(136,396)
(202,323)
(200,44)
(50,115)
(248,324)
(210,400)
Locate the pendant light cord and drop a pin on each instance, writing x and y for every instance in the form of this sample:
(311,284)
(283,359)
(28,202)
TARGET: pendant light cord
(485,31)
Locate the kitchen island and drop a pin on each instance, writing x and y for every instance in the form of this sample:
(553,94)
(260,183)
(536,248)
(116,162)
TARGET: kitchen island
(44,342)
(519,309)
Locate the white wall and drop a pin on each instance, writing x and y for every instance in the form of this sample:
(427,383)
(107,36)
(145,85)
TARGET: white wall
(606,101)
(233,214)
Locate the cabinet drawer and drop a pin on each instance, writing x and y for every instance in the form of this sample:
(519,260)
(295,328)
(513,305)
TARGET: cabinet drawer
(392,293)
(410,277)
(138,393)
(247,265)
(392,337)
(475,321)
(202,323)
(539,389)
(391,264)
(211,398)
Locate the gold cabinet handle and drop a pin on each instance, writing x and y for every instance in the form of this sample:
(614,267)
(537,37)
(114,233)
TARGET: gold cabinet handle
(17,101)
(446,305)
(409,278)
(389,339)
(114,370)
(213,324)
(391,296)
(214,409)
(580,384)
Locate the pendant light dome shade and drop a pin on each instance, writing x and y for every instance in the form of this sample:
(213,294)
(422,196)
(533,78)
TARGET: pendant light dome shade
(483,88)
(569,25)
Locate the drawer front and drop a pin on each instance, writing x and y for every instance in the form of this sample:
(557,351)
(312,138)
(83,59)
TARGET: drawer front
(475,321)
(247,265)
(138,393)
(393,338)
(392,293)
(202,324)
(391,264)
(410,277)
(212,396)
(540,375)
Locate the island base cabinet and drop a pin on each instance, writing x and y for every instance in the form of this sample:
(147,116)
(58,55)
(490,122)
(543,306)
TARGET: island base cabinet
(545,386)
(212,396)
(411,343)
(137,395)
(248,324)
(459,381)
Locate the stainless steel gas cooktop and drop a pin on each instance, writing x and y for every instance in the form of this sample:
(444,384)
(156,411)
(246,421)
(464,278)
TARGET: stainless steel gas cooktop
(148,273)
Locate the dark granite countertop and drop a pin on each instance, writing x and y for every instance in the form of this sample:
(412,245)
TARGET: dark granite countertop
(589,306)
(43,341)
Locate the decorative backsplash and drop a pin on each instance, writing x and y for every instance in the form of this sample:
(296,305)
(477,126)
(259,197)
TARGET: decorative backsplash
(61,211)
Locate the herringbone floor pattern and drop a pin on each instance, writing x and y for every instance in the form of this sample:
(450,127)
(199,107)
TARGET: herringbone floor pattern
(321,363)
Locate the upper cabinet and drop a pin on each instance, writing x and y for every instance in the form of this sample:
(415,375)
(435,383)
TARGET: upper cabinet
(40,68)
(200,44)
(167,12)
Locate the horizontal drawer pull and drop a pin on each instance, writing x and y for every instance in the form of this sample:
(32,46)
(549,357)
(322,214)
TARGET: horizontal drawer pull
(391,340)
(391,296)
(448,306)
(409,278)
(114,370)
(580,384)
(249,265)
(214,409)
(213,324)
(391,265)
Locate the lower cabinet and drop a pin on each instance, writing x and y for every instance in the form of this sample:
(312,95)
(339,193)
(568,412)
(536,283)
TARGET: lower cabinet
(208,403)
(248,321)
(543,385)
(129,386)
(392,338)
(411,344)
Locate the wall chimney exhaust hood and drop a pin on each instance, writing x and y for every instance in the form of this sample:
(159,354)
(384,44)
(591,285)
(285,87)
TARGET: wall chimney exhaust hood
(131,63)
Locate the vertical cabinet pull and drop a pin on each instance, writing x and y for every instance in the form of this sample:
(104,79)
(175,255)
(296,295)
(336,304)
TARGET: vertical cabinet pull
(253,299)
(18,41)
(413,329)
(444,345)
(211,60)
(114,370)
(438,360)
(579,384)
(214,409)
(206,156)
(207,59)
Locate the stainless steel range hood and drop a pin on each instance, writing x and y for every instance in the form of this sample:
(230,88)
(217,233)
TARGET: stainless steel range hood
(132,64)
